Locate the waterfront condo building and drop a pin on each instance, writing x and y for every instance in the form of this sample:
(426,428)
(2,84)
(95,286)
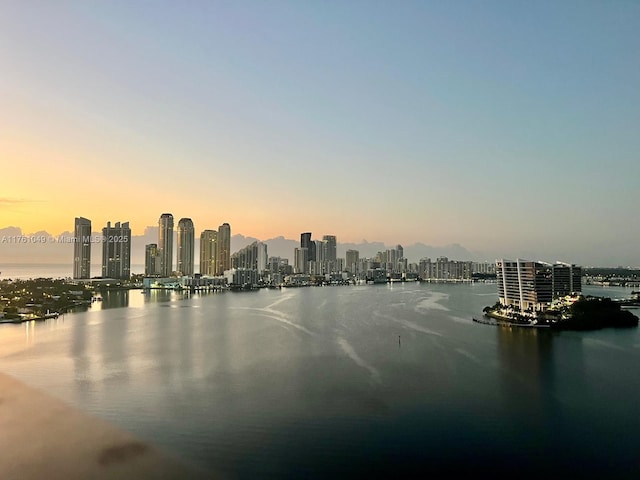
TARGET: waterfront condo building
(186,247)
(208,245)
(531,286)
(223,250)
(251,257)
(82,248)
(445,269)
(524,284)
(165,244)
(116,251)
(567,279)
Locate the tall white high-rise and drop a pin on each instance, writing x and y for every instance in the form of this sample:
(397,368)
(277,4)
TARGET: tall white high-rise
(208,247)
(116,251)
(165,244)
(524,284)
(186,246)
(82,248)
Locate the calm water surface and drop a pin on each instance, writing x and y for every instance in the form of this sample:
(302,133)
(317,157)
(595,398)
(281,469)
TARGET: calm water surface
(343,381)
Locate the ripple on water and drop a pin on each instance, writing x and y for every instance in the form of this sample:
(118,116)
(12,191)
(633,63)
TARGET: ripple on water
(432,302)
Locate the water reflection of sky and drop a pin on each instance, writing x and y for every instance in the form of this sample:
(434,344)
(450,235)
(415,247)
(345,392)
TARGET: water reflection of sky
(296,375)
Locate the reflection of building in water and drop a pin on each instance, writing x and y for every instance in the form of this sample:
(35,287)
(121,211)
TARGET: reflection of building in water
(540,375)
(115,299)
(532,286)
(526,360)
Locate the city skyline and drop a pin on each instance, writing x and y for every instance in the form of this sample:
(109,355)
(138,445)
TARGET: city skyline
(251,262)
(443,124)
(43,247)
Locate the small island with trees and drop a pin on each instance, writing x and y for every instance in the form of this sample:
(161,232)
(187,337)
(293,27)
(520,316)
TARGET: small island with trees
(568,313)
(40,298)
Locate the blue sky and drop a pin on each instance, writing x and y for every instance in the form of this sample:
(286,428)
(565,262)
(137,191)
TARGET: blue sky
(508,127)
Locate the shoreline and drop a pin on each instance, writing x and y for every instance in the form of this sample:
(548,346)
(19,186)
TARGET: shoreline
(592,313)
(502,321)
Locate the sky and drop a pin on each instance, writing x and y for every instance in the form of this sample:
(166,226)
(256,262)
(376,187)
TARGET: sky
(511,128)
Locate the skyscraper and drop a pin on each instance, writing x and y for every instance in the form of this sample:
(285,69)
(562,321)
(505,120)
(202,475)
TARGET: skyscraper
(116,251)
(186,245)
(353,256)
(331,248)
(310,245)
(300,263)
(223,252)
(319,246)
(82,248)
(165,244)
(208,247)
(151,260)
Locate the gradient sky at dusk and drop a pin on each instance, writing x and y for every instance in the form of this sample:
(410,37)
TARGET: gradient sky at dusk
(512,128)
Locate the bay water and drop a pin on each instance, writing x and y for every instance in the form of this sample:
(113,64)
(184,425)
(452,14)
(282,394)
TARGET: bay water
(347,382)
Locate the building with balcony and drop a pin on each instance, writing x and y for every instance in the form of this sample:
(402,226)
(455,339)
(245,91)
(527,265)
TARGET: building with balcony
(251,257)
(531,286)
